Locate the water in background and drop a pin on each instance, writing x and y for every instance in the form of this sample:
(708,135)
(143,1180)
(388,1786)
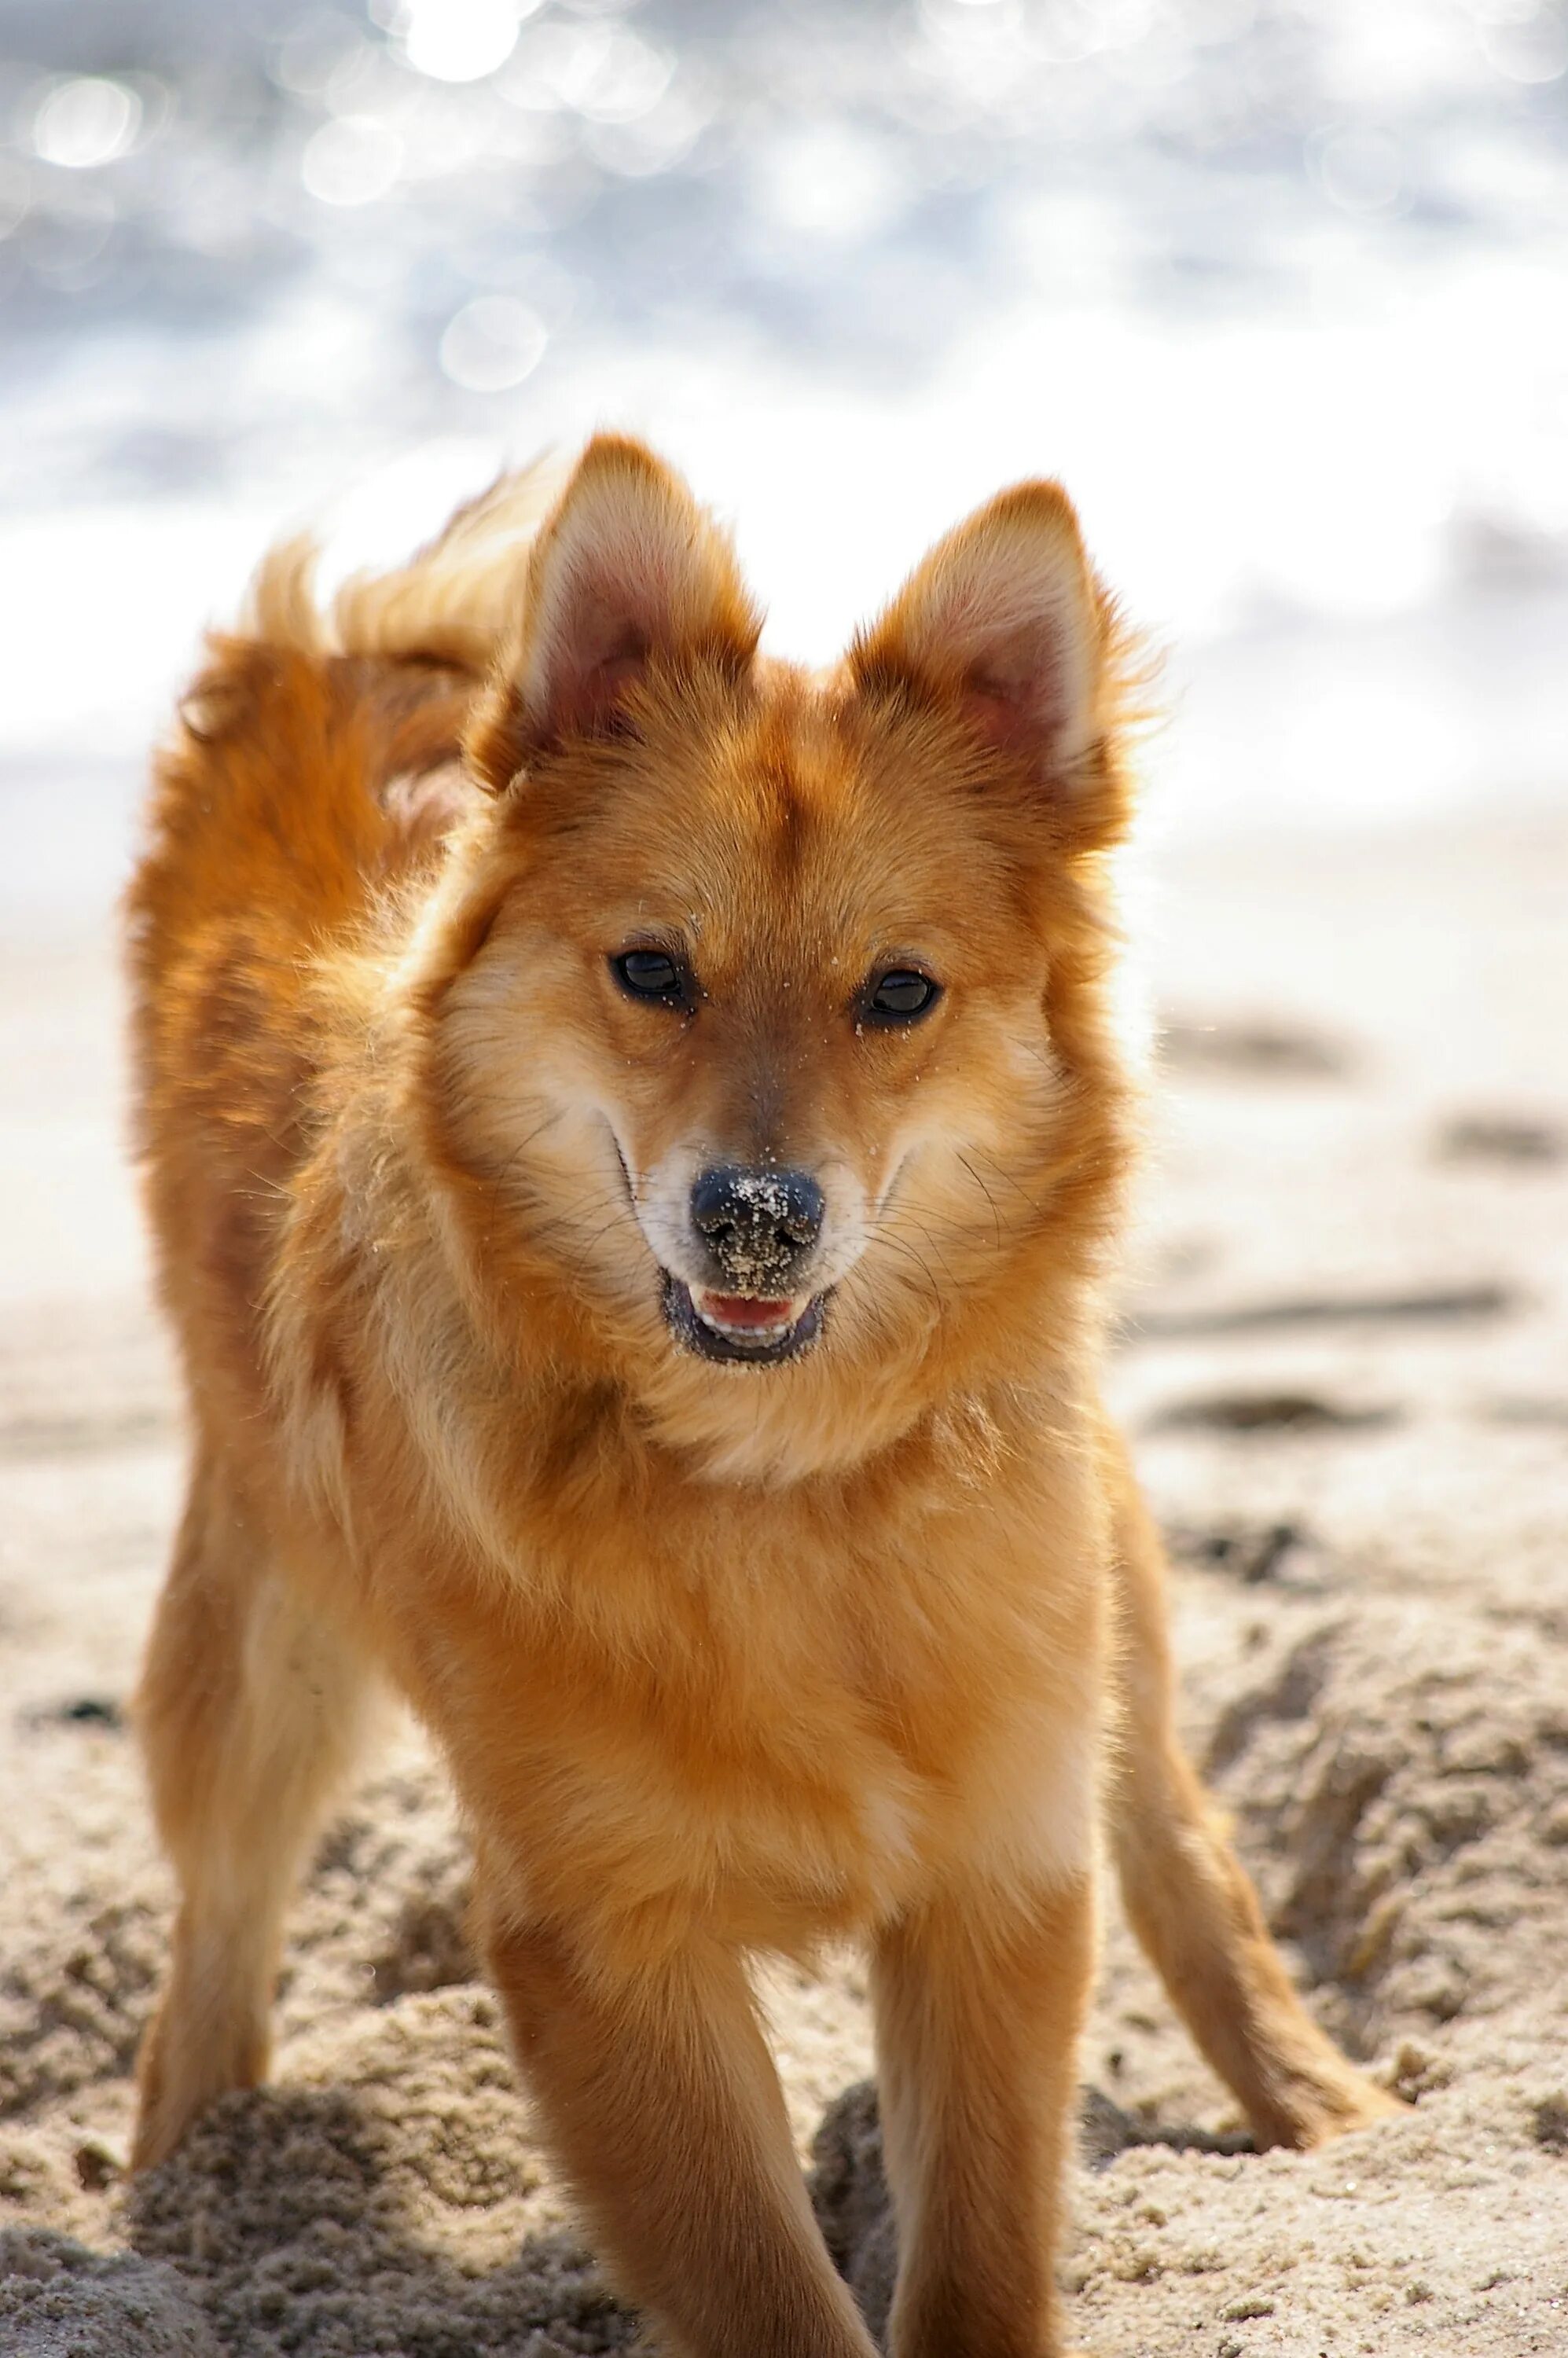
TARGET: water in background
(1281,290)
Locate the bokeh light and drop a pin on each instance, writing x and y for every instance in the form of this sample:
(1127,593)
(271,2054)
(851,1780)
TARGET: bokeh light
(458,40)
(492,343)
(86,122)
(351,161)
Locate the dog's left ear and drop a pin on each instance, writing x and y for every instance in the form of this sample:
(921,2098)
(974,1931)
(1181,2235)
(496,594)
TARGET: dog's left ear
(627,572)
(1003,619)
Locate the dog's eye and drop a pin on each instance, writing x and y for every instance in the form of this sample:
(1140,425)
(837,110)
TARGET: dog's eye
(649,974)
(901,994)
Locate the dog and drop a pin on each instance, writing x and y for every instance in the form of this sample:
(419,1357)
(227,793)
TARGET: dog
(635,1137)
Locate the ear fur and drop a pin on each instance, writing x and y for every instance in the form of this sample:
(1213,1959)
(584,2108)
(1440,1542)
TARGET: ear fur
(1004,618)
(627,568)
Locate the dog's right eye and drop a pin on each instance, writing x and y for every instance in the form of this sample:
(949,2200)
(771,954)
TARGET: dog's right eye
(650,974)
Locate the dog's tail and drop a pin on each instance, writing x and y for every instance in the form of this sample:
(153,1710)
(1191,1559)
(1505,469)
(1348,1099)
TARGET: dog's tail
(449,604)
(317,759)
(315,768)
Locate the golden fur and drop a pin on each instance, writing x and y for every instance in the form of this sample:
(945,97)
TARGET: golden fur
(723,1658)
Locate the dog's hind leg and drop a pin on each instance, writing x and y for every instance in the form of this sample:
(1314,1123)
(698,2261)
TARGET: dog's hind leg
(249,1712)
(1186,1894)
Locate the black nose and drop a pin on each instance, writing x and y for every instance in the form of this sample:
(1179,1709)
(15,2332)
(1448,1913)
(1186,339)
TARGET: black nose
(757,1224)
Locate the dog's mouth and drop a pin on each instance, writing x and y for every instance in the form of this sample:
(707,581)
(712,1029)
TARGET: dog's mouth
(742,1329)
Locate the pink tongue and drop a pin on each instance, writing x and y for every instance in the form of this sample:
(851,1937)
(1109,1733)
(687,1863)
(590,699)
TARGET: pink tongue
(744,1310)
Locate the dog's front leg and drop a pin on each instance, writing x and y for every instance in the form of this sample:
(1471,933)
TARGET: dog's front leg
(980,2000)
(657,2093)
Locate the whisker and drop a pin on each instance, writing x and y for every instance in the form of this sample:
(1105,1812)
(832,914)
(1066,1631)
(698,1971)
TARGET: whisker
(986,1192)
(902,1245)
(1002,1172)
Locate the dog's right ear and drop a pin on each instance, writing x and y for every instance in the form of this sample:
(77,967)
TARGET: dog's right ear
(627,572)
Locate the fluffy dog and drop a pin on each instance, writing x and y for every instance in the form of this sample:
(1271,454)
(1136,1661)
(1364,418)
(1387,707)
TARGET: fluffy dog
(634,1135)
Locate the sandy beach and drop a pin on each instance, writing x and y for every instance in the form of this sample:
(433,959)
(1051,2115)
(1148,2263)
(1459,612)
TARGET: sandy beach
(1343,1360)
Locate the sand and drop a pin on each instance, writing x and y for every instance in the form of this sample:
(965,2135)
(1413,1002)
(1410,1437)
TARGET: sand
(1346,1363)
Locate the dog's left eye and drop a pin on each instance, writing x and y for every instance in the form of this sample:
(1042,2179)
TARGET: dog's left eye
(901,994)
(649,974)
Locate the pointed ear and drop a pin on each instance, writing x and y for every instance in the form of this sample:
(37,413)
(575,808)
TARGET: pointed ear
(627,570)
(1003,618)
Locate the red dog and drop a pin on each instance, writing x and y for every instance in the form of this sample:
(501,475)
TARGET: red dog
(635,1211)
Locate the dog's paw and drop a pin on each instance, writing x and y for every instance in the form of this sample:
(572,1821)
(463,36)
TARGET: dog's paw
(1310,2112)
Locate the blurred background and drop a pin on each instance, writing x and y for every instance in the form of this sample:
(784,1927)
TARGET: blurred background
(1278,287)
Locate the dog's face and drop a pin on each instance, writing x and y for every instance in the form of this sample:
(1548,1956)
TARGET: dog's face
(745,1035)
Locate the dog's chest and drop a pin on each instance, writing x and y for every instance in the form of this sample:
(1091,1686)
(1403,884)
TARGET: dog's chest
(801,1745)
(923,1763)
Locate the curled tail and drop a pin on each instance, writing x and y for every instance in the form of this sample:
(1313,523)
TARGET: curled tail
(317,752)
(314,770)
(449,604)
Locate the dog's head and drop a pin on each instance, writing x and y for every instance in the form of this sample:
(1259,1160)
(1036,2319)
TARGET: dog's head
(765,1052)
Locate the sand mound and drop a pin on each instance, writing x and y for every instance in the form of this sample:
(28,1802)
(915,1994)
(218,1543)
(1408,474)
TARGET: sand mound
(59,2301)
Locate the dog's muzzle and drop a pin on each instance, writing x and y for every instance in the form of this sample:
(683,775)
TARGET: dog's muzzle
(753,1233)
(755,1228)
